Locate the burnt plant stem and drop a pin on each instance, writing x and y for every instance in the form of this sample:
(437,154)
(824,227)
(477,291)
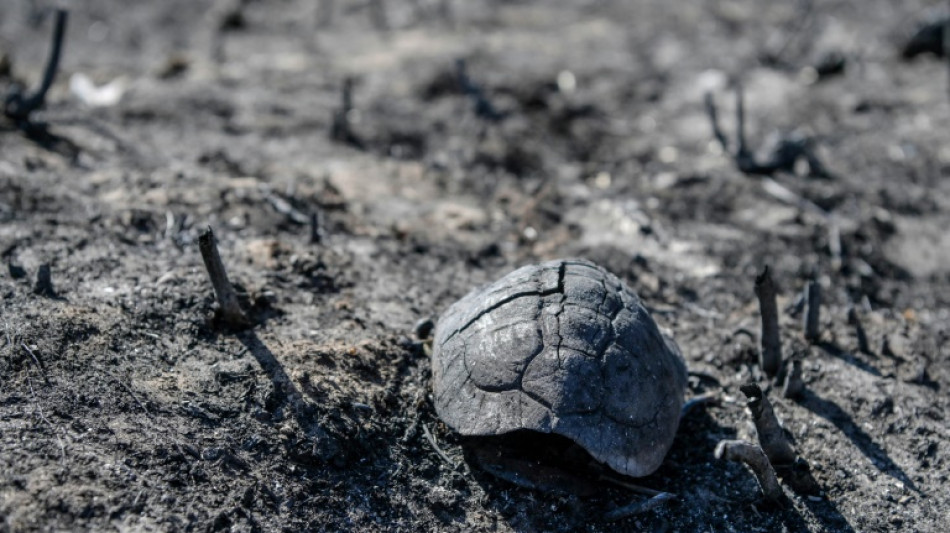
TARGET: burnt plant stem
(742,149)
(770,433)
(698,402)
(229,310)
(315,232)
(714,122)
(770,354)
(855,321)
(754,458)
(44,282)
(794,386)
(640,507)
(437,449)
(341,129)
(783,157)
(834,244)
(19,107)
(812,311)
(346,96)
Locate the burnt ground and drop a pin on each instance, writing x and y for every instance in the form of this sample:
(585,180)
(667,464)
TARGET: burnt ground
(123,407)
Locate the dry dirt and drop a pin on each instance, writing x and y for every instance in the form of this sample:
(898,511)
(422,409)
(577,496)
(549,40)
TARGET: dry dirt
(123,408)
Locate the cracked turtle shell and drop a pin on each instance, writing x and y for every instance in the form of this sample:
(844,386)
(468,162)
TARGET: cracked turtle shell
(561,347)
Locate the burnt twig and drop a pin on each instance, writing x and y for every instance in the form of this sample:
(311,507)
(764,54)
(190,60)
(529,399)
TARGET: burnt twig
(794,385)
(714,122)
(698,402)
(341,128)
(44,282)
(784,155)
(812,311)
(754,458)
(284,207)
(36,361)
(438,450)
(639,489)
(18,106)
(316,231)
(855,321)
(229,309)
(834,243)
(771,434)
(636,508)
(770,354)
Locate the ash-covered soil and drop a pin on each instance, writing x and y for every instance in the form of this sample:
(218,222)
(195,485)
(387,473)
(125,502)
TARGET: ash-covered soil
(581,132)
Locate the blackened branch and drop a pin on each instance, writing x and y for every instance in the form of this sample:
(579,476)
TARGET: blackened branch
(770,353)
(783,157)
(714,122)
(229,311)
(755,459)
(771,434)
(813,311)
(19,107)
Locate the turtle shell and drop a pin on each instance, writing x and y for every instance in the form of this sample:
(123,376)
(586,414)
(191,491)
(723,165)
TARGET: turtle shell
(561,347)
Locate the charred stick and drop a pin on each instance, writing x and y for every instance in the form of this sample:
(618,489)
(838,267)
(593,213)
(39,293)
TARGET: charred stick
(742,149)
(784,156)
(745,159)
(639,489)
(438,450)
(698,402)
(770,433)
(770,355)
(855,321)
(834,243)
(229,310)
(284,207)
(794,386)
(626,511)
(812,311)
(346,95)
(316,236)
(714,122)
(341,127)
(19,107)
(886,348)
(44,282)
(36,361)
(754,458)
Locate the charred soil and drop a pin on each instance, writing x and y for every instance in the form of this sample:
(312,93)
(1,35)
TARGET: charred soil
(569,130)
